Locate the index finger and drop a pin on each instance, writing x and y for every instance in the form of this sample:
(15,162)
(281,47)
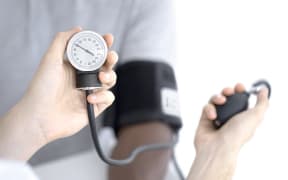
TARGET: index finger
(111,61)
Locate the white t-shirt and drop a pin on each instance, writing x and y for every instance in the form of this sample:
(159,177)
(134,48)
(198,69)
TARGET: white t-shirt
(143,29)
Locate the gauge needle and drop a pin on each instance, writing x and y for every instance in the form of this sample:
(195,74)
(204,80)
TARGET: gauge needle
(86,50)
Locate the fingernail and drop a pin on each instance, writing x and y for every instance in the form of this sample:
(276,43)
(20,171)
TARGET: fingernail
(265,91)
(219,97)
(115,55)
(107,76)
(79,27)
(93,97)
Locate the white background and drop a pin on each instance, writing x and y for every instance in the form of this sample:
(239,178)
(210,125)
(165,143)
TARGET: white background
(223,42)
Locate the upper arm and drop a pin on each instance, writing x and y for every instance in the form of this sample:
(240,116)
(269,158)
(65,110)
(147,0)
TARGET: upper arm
(150,32)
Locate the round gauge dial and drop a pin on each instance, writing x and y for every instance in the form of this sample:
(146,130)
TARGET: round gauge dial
(87,51)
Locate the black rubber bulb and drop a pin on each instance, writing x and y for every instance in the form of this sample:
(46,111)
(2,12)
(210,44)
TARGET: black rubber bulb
(234,104)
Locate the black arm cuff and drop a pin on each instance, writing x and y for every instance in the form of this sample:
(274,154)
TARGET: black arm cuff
(145,91)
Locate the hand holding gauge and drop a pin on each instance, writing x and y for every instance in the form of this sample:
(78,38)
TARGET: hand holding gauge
(51,95)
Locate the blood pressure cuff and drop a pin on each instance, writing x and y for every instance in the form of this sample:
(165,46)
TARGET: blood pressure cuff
(145,92)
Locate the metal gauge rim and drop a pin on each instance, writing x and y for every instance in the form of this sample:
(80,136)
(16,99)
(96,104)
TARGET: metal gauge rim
(72,42)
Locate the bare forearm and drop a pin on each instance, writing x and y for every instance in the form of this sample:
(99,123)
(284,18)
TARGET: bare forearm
(149,165)
(214,164)
(19,136)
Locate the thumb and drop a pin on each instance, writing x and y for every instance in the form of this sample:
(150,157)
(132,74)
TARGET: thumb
(208,115)
(56,50)
(262,100)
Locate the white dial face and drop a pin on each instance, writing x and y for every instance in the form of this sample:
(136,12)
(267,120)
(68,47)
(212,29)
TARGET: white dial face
(87,51)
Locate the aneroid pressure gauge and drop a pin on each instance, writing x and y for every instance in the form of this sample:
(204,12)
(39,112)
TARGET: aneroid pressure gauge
(87,52)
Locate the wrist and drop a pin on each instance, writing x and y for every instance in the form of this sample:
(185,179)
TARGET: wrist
(219,151)
(20,134)
(216,162)
(217,142)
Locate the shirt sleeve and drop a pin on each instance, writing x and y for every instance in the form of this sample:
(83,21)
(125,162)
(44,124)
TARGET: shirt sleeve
(150,32)
(14,170)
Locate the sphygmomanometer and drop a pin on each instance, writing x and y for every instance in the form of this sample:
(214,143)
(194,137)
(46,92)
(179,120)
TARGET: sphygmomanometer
(145,91)
(87,52)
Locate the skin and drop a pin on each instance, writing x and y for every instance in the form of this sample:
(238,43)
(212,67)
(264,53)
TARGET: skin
(217,150)
(52,107)
(148,165)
